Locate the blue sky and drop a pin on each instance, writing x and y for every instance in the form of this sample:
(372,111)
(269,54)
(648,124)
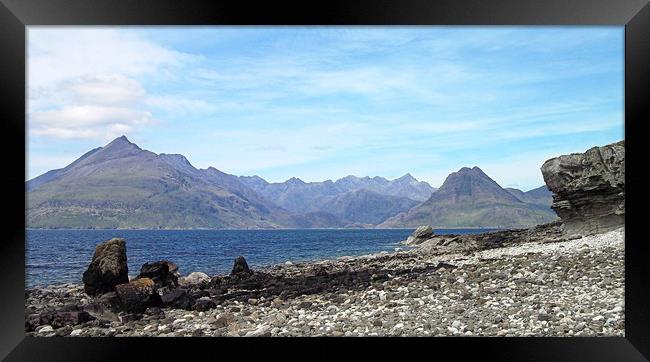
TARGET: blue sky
(325,102)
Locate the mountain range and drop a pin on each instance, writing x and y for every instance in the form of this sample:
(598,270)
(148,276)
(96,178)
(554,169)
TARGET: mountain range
(121,185)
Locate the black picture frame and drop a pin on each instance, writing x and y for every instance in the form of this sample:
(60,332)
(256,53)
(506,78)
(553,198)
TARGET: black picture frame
(15,15)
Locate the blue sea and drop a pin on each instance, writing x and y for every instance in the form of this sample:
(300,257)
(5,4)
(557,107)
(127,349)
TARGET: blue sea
(61,256)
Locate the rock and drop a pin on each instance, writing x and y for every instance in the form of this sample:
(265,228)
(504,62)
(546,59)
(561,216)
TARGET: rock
(195,278)
(202,305)
(76,332)
(178,298)
(57,319)
(420,235)
(262,330)
(164,273)
(240,267)
(154,311)
(131,317)
(423,232)
(63,331)
(107,268)
(224,320)
(588,189)
(136,296)
(45,330)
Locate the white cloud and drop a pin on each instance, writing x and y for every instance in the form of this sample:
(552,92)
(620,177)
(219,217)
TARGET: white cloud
(82,81)
(100,107)
(59,54)
(109,89)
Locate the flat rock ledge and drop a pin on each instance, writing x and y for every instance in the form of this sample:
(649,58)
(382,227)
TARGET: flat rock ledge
(534,288)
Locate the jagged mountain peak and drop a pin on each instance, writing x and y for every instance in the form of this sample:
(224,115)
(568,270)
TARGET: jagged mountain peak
(295,181)
(406,179)
(121,142)
(473,181)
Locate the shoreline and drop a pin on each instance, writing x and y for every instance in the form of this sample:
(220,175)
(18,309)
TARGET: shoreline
(288,229)
(547,287)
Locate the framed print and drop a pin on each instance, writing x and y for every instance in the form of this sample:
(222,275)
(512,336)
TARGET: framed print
(345,173)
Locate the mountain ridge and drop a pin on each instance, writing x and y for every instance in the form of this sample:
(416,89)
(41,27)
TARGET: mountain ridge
(122,185)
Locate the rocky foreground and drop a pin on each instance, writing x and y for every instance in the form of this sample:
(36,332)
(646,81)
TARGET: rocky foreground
(541,286)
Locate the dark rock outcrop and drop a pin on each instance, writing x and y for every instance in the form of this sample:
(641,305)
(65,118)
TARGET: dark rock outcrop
(588,189)
(164,273)
(108,267)
(178,298)
(241,267)
(469,243)
(137,295)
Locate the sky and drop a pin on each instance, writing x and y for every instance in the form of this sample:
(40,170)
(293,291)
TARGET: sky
(322,103)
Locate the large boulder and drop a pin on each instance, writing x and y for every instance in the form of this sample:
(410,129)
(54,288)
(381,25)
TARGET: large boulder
(137,295)
(423,232)
(240,268)
(588,189)
(108,267)
(420,235)
(164,273)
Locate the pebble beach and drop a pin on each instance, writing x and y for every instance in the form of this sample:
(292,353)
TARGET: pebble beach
(538,288)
